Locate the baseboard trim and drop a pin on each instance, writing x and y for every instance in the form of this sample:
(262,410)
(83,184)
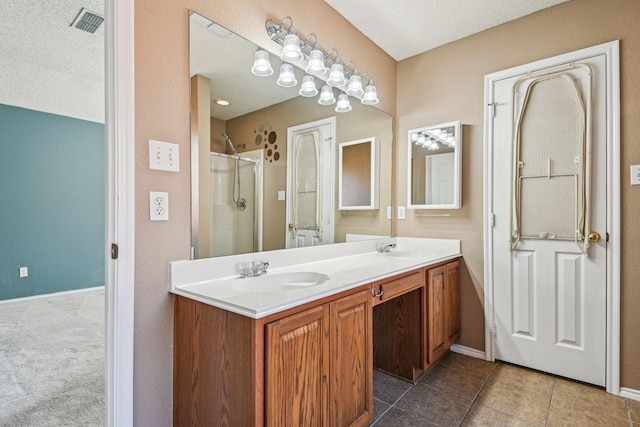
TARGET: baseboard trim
(54,294)
(630,393)
(468,351)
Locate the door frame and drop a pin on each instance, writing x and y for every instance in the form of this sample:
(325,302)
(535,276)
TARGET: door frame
(612,55)
(120,211)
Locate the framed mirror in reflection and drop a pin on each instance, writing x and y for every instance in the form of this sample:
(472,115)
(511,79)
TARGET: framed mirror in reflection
(434,166)
(239,151)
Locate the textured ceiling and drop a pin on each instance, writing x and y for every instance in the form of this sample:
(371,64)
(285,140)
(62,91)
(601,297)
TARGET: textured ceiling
(46,64)
(405,28)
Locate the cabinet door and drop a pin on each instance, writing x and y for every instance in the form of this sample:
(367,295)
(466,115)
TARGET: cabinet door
(297,369)
(452,303)
(437,332)
(351,361)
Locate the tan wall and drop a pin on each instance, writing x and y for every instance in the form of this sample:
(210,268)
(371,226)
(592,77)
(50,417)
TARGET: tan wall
(162,112)
(446,84)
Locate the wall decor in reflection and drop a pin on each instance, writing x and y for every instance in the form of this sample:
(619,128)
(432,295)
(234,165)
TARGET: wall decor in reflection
(267,138)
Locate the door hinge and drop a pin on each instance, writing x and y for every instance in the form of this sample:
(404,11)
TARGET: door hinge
(493,108)
(492,220)
(114,251)
(607,237)
(493,331)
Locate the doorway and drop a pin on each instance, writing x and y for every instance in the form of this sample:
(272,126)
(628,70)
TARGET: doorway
(551,300)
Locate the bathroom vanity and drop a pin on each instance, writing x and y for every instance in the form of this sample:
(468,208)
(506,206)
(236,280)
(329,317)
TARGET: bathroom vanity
(298,345)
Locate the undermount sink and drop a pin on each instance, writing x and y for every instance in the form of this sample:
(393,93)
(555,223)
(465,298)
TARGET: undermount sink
(410,255)
(279,282)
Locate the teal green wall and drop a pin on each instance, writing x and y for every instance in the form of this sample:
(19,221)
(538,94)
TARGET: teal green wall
(52,203)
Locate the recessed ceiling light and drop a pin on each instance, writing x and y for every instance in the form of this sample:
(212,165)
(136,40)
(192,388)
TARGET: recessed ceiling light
(221,101)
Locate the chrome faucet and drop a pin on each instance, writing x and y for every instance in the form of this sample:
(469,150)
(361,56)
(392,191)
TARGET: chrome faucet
(252,268)
(385,247)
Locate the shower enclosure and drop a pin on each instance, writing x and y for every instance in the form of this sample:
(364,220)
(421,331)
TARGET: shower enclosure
(236,204)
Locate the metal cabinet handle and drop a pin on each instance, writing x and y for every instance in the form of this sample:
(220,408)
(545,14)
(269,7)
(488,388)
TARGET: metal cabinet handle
(373,292)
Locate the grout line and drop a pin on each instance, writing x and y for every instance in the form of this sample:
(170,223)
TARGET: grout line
(553,389)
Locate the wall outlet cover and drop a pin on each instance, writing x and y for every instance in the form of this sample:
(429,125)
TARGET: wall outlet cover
(158,206)
(635,174)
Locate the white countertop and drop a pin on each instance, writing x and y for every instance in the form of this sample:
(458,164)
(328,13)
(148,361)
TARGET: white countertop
(214,281)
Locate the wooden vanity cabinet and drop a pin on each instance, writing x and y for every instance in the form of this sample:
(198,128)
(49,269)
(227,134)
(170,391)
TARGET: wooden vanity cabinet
(310,366)
(318,366)
(444,309)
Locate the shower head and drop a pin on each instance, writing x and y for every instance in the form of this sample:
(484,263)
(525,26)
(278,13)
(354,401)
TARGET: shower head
(226,138)
(233,147)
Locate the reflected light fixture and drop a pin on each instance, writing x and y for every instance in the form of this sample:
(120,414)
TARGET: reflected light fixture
(286,78)
(336,73)
(326,96)
(343,105)
(315,65)
(261,64)
(308,87)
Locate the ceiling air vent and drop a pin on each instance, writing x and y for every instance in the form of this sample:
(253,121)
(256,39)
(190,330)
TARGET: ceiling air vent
(88,21)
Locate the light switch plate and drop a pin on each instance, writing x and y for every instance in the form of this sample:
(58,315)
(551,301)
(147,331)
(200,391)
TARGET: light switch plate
(281,195)
(158,206)
(402,213)
(389,212)
(164,156)
(635,174)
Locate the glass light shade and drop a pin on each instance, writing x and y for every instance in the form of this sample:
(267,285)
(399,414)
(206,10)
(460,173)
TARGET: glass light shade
(433,146)
(355,86)
(286,77)
(422,140)
(336,76)
(261,64)
(316,63)
(308,87)
(370,95)
(291,49)
(343,105)
(326,96)
(414,137)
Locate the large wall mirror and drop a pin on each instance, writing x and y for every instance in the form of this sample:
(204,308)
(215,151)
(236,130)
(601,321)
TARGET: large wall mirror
(241,187)
(434,166)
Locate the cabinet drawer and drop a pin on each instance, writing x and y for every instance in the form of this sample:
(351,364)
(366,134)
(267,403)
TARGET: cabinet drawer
(391,288)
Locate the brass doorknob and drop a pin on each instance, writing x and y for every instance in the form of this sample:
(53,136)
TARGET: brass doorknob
(594,236)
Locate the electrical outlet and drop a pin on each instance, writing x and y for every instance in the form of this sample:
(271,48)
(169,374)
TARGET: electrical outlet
(24,271)
(164,156)
(158,206)
(402,213)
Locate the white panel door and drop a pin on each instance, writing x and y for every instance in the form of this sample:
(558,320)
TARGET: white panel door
(549,297)
(310,184)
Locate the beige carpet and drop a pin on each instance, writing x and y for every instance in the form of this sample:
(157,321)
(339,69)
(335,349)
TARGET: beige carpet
(52,361)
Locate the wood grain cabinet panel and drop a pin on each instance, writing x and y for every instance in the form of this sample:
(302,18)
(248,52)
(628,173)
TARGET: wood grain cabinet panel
(444,309)
(297,370)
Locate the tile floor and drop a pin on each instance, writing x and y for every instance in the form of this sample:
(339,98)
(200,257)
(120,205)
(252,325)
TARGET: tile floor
(464,391)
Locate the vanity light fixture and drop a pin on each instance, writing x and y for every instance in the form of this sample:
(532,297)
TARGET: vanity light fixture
(355,82)
(261,64)
(326,96)
(315,66)
(343,105)
(317,63)
(370,94)
(291,51)
(336,73)
(308,87)
(286,78)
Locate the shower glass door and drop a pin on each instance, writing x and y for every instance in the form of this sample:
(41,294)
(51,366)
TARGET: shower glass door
(235,200)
